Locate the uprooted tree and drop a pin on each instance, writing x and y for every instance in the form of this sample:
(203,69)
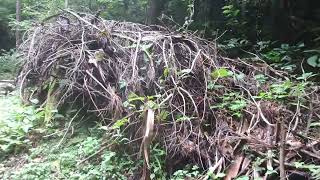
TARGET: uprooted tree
(157,85)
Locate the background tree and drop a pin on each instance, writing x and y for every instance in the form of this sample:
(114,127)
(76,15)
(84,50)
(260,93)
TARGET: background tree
(66,4)
(7,41)
(154,10)
(18,19)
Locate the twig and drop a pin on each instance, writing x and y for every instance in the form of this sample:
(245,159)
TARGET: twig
(317,156)
(60,142)
(103,147)
(84,20)
(310,115)
(258,107)
(281,149)
(134,60)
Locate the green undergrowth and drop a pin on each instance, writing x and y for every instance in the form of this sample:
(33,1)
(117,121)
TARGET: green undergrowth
(68,149)
(16,122)
(9,64)
(81,148)
(47,161)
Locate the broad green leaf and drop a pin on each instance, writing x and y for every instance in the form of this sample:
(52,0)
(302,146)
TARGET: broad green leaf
(260,78)
(122,84)
(34,101)
(314,61)
(214,86)
(163,115)
(166,72)
(243,178)
(228,7)
(238,105)
(134,97)
(240,76)
(220,73)
(306,76)
(120,123)
(220,175)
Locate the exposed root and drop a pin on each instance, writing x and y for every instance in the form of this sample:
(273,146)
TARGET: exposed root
(207,108)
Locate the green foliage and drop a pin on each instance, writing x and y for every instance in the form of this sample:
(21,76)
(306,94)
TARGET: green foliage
(312,168)
(286,56)
(33,171)
(120,123)
(261,79)
(178,10)
(9,64)
(89,146)
(243,178)
(233,102)
(163,116)
(16,121)
(181,117)
(133,10)
(35,11)
(234,44)
(188,172)
(283,91)
(277,91)
(158,155)
(48,162)
(314,61)
(221,73)
(7,7)
(232,13)
(115,166)
(240,19)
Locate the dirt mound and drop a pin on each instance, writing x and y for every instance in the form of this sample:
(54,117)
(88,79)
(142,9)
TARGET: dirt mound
(175,89)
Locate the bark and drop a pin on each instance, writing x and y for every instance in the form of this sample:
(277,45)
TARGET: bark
(66,4)
(154,10)
(18,19)
(90,5)
(281,22)
(282,151)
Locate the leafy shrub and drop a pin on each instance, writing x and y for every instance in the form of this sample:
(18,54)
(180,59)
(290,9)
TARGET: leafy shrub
(16,121)
(9,64)
(89,146)
(188,172)
(34,171)
(234,102)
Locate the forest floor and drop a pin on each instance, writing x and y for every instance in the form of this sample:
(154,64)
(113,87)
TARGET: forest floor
(31,151)
(65,149)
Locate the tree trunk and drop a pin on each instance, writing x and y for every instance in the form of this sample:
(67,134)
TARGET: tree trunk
(154,10)
(281,22)
(66,4)
(90,5)
(18,19)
